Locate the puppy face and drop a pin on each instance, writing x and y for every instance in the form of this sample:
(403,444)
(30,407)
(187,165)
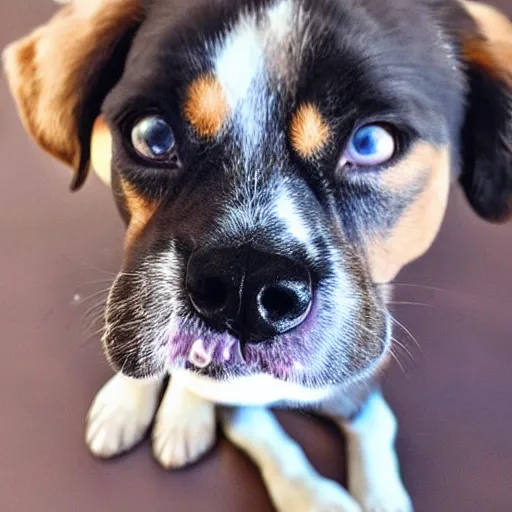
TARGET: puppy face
(277,162)
(276,178)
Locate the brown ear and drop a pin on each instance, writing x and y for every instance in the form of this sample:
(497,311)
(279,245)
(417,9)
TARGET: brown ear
(493,24)
(486,51)
(492,50)
(60,73)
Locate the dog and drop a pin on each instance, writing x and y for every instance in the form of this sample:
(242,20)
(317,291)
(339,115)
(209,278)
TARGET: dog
(277,163)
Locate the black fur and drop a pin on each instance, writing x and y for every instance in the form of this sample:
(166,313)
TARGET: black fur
(389,61)
(487,147)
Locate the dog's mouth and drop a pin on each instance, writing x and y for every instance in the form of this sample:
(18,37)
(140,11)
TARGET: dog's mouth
(151,331)
(311,356)
(300,356)
(222,355)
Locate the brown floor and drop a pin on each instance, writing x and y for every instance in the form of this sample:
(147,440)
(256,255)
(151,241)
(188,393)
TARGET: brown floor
(57,249)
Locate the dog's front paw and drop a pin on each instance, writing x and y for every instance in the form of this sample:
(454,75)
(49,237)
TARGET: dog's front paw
(390,499)
(184,428)
(376,484)
(312,494)
(120,415)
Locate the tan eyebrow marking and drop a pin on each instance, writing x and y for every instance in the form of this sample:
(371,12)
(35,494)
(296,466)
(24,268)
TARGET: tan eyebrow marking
(309,133)
(206,107)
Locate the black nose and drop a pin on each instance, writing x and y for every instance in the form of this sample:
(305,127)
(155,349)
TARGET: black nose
(253,294)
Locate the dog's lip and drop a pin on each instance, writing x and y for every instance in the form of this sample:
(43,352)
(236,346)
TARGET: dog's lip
(207,352)
(194,346)
(194,342)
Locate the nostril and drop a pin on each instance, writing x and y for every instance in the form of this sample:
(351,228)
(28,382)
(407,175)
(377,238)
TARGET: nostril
(213,284)
(285,304)
(252,294)
(215,292)
(278,302)
(209,294)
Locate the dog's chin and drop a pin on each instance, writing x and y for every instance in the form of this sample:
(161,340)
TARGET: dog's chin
(292,368)
(301,388)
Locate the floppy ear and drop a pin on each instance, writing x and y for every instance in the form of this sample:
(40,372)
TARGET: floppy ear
(60,74)
(487,133)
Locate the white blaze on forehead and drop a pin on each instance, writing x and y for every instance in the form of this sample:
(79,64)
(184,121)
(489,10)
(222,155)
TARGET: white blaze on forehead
(288,213)
(254,45)
(256,48)
(286,40)
(240,60)
(279,15)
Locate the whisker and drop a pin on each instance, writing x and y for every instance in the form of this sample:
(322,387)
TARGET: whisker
(409,303)
(444,291)
(397,359)
(408,332)
(403,347)
(108,281)
(424,287)
(90,266)
(82,300)
(96,310)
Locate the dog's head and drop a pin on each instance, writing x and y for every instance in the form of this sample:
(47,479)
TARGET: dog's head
(278,161)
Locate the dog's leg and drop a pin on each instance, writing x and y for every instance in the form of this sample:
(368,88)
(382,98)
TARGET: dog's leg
(184,427)
(291,481)
(373,470)
(121,414)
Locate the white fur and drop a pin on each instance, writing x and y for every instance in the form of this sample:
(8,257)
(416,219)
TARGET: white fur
(240,60)
(120,415)
(184,427)
(240,69)
(255,47)
(288,213)
(374,473)
(280,18)
(255,57)
(293,484)
(124,409)
(255,390)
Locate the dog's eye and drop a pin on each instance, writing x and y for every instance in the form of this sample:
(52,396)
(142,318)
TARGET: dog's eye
(153,138)
(370,145)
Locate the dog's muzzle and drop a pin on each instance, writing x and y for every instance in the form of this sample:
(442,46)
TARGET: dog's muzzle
(251,294)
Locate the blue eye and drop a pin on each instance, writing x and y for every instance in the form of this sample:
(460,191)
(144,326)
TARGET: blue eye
(370,145)
(153,138)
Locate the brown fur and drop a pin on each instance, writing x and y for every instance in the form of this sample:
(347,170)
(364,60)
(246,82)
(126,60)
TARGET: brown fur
(420,222)
(494,25)
(47,69)
(492,52)
(409,170)
(141,210)
(495,58)
(101,151)
(206,108)
(309,133)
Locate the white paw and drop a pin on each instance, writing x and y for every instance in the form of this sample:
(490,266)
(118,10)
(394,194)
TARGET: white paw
(184,428)
(373,467)
(312,494)
(120,415)
(393,499)
(380,489)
